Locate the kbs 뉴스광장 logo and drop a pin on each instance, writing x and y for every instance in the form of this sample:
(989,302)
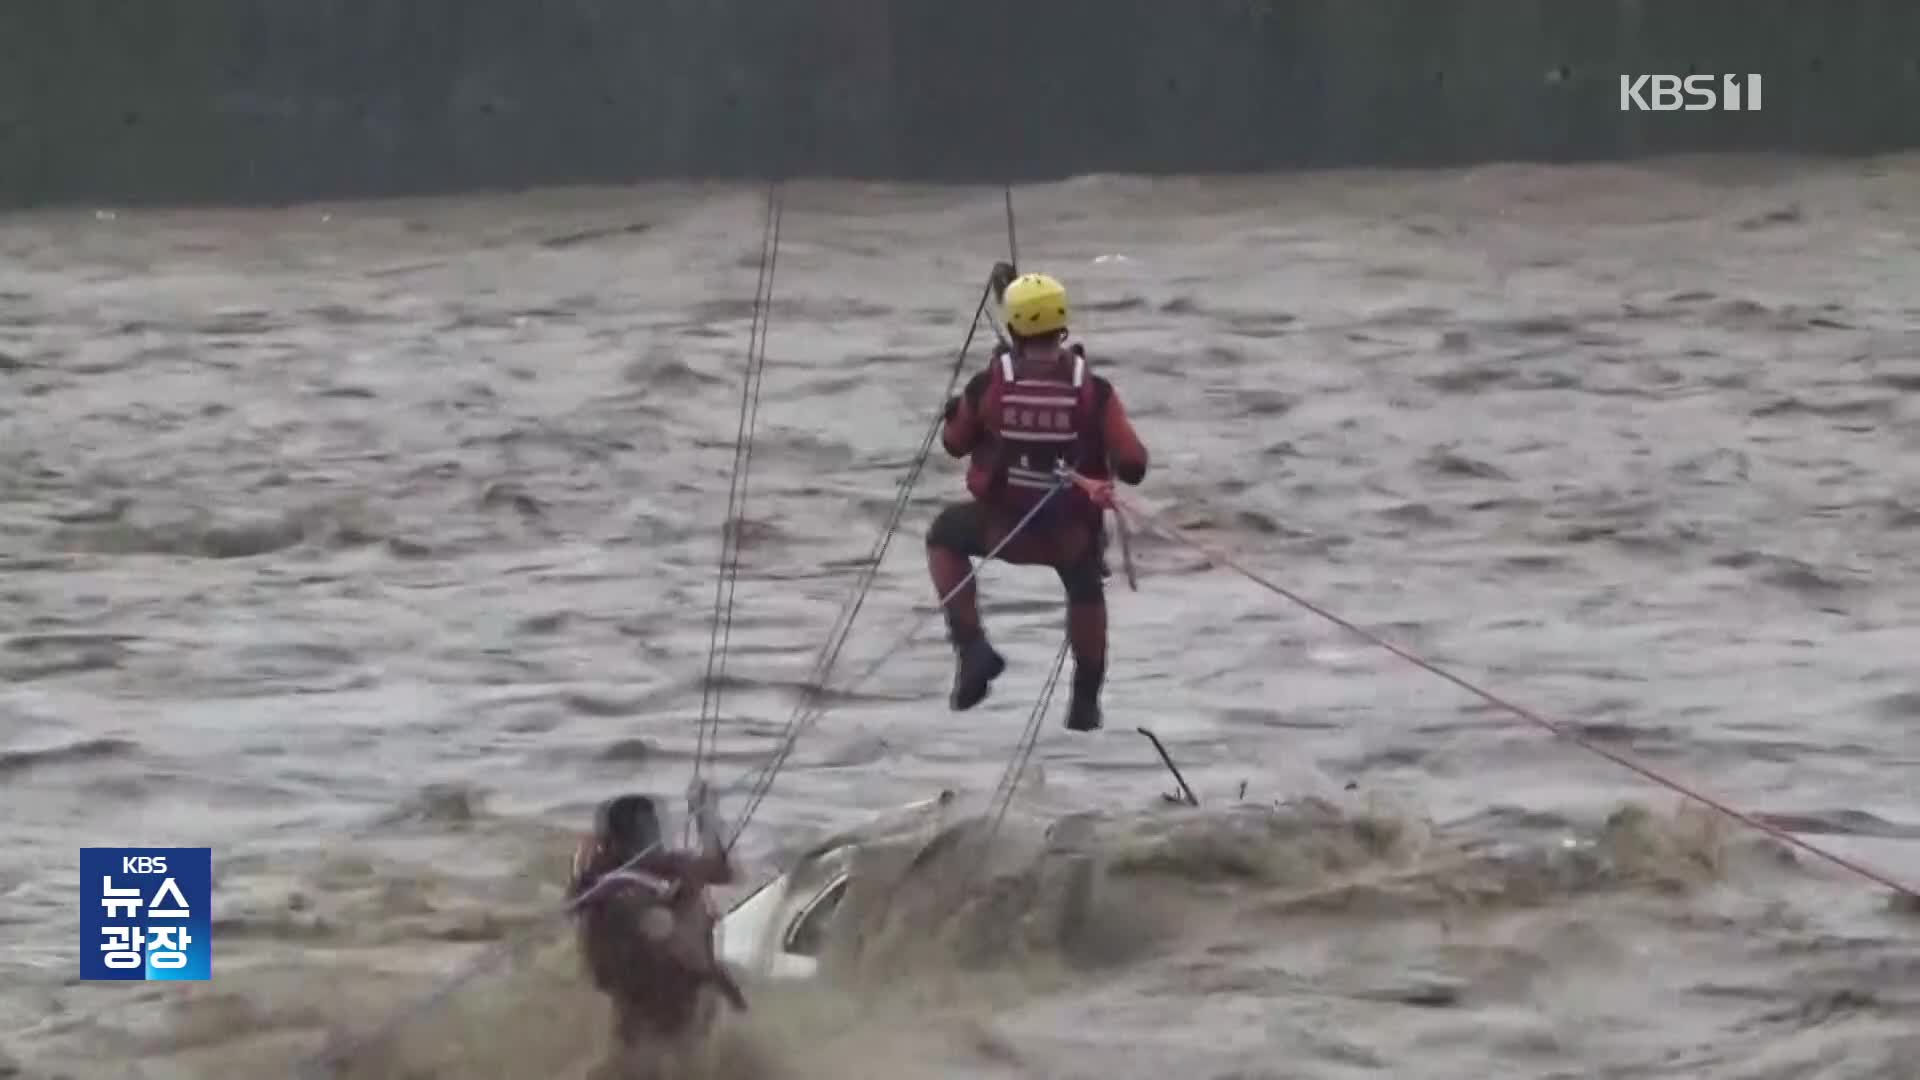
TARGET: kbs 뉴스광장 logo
(146,914)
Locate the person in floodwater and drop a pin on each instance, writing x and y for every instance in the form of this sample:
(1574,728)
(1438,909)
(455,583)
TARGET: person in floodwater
(646,932)
(1035,408)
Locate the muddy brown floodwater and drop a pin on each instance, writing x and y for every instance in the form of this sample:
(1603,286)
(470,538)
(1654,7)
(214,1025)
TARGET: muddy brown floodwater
(373,544)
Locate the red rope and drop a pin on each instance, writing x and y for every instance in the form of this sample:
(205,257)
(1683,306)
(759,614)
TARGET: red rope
(1102,492)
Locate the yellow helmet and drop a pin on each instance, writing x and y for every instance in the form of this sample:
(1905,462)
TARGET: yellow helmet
(1035,305)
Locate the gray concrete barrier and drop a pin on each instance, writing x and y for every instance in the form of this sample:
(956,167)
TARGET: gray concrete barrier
(144,101)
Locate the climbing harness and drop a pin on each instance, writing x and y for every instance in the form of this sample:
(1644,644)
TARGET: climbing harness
(1175,533)
(727,579)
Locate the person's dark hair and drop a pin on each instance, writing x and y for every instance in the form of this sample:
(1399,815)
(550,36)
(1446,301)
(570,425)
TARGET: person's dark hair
(629,822)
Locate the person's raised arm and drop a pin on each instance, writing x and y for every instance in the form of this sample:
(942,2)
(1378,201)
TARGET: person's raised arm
(960,433)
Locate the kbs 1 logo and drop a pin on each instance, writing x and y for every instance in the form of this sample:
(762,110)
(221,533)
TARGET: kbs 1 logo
(1665,93)
(146,914)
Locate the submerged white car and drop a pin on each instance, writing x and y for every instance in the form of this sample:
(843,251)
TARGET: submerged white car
(777,930)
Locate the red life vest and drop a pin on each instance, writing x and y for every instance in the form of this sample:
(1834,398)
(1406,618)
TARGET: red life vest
(1032,426)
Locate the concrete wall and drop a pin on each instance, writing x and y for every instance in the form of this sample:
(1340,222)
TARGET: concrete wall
(126,101)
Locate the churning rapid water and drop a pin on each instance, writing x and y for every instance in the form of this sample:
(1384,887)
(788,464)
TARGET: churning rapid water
(372,545)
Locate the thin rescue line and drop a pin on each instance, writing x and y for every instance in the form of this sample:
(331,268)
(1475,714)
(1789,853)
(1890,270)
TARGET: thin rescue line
(1624,760)
(730,535)
(737,522)
(726,581)
(1013,243)
(810,705)
(900,642)
(843,623)
(1009,785)
(1013,263)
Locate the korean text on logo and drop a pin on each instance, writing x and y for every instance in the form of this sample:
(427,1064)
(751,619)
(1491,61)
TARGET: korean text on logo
(146,913)
(1694,93)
